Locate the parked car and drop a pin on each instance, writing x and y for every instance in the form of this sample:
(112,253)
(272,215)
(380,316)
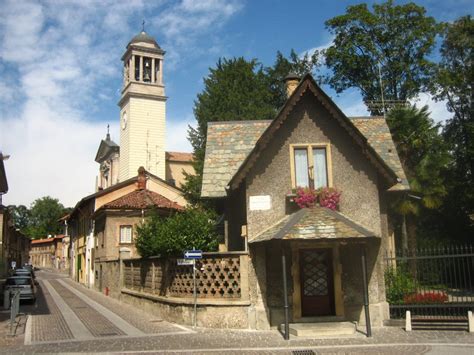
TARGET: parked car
(23,271)
(23,283)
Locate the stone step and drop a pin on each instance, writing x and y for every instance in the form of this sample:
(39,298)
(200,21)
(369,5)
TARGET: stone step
(322,329)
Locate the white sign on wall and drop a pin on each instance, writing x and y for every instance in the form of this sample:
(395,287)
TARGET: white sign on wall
(260,203)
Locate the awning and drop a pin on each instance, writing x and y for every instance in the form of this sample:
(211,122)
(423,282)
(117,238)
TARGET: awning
(316,223)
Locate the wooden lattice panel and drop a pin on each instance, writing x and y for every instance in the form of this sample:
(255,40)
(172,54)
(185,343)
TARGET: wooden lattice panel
(216,277)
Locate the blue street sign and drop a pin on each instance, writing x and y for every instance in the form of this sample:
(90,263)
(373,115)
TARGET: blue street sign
(193,254)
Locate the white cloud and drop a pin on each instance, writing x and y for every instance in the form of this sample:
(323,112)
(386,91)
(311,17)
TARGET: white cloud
(56,61)
(319,48)
(439,112)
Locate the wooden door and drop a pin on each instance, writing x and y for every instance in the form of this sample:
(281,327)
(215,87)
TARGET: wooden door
(317,282)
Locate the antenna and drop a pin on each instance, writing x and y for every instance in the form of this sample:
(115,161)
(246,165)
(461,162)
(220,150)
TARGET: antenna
(381,89)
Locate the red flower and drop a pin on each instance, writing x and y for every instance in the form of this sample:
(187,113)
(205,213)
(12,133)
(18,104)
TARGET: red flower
(430,297)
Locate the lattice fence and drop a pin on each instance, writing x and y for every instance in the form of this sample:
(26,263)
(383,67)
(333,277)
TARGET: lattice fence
(218,276)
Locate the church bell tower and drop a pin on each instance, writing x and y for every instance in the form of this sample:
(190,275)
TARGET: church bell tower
(142,108)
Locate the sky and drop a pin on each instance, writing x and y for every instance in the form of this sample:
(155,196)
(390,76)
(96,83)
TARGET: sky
(61,73)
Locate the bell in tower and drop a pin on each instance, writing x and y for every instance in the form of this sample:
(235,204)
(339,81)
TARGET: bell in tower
(142,108)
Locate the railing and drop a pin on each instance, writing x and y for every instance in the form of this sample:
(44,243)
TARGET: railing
(218,276)
(436,282)
(14,309)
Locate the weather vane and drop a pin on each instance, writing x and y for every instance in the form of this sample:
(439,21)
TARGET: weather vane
(143,26)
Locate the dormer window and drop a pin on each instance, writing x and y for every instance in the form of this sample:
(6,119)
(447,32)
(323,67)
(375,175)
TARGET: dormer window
(310,165)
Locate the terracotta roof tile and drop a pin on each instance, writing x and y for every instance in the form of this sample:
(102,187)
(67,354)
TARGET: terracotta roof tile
(314,223)
(228,144)
(40,241)
(179,156)
(140,199)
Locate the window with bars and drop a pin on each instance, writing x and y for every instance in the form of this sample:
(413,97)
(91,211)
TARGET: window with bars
(125,234)
(310,165)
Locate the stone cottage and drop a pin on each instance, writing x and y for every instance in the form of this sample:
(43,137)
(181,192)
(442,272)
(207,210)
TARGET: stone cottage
(251,169)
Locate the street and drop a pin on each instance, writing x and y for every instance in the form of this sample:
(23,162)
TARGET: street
(68,317)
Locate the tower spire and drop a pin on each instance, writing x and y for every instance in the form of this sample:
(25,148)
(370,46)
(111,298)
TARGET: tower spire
(108,133)
(143,26)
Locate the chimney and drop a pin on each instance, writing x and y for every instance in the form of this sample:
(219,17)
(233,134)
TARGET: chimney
(291,81)
(141,183)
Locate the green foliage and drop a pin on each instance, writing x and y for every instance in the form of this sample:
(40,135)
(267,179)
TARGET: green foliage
(398,38)
(41,219)
(238,89)
(45,213)
(283,66)
(21,217)
(423,154)
(453,83)
(170,236)
(398,284)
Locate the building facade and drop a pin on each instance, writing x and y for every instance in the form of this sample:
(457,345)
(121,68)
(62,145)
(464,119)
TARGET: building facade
(252,170)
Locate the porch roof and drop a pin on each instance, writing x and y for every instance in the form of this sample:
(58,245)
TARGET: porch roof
(314,223)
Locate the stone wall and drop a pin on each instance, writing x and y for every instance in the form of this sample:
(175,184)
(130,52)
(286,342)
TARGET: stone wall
(159,287)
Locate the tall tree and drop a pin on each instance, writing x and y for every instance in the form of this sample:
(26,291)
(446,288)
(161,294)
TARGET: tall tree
(45,213)
(393,40)
(295,64)
(424,158)
(21,217)
(236,89)
(453,83)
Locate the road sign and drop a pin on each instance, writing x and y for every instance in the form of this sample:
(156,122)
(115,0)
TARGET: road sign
(193,254)
(184,262)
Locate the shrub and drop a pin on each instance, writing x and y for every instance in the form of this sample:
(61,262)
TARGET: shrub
(399,284)
(171,236)
(426,298)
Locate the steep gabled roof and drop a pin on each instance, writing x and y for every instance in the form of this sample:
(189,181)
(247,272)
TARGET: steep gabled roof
(307,84)
(228,144)
(232,147)
(106,147)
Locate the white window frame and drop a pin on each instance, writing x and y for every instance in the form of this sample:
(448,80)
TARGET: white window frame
(122,230)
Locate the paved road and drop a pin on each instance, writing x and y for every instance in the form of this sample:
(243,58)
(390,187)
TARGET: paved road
(71,318)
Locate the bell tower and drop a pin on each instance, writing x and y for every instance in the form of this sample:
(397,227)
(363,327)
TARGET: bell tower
(142,108)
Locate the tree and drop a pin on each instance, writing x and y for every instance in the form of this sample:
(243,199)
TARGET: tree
(392,40)
(170,236)
(236,89)
(453,83)
(424,158)
(21,217)
(45,213)
(283,66)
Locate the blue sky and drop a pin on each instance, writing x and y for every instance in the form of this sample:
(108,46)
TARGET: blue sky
(60,72)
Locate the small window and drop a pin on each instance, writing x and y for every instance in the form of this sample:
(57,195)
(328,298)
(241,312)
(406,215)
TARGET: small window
(125,234)
(310,165)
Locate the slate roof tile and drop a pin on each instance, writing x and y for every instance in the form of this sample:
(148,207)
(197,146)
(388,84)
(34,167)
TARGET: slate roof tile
(314,223)
(228,144)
